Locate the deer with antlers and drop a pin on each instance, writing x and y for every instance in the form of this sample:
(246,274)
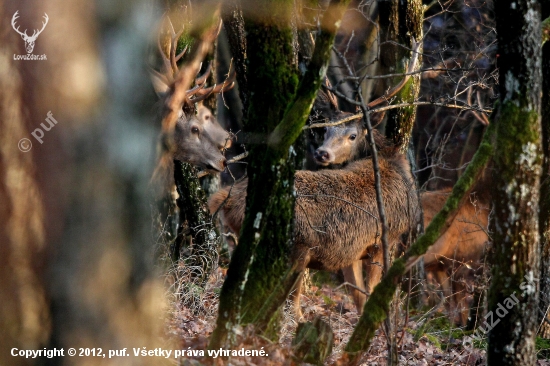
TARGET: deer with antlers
(29,40)
(197,137)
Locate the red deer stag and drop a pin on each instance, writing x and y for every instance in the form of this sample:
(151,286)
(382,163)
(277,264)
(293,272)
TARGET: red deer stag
(198,137)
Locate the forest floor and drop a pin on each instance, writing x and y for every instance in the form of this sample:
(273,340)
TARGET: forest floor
(422,341)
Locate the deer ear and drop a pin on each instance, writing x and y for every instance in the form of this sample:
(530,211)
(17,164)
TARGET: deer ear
(159,84)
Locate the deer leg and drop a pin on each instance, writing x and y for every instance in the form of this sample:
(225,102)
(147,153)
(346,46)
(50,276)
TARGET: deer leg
(295,296)
(460,303)
(299,267)
(354,275)
(460,295)
(444,282)
(373,270)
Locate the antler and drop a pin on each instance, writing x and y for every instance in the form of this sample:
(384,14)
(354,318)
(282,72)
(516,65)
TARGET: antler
(330,94)
(37,32)
(170,69)
(13,19)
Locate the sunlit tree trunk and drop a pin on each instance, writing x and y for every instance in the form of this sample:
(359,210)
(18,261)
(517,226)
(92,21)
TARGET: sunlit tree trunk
(400,28)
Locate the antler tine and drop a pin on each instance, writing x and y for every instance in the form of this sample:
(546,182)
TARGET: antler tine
(331,96)
(215,89)
(180,55)
(170,67)
(173,46)
(194,90)
(159,75)
(171,29)
(167,67)
(13,19)
(202,79)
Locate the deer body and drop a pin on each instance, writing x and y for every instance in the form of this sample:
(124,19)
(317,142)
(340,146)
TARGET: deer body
(336,214)
(457,254)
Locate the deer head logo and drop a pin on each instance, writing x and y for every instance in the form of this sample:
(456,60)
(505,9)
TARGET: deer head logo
(29,40)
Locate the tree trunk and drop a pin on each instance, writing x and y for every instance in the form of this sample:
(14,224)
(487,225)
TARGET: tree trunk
(76,253)
(516,184)
(203,257)
(544,217)
(400,22)
(24,317)
(233,22)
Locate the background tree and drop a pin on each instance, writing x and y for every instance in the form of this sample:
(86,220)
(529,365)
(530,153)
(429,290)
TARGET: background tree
(544,217)
(77,254)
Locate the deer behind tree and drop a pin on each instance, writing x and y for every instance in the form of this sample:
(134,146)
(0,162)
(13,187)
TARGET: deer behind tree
(456,256)
(335,216)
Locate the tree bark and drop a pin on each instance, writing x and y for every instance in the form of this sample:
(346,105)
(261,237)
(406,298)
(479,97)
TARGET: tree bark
(313,342)
(544,217)
(400,24)
(203,257)
(233,22)
(516,184)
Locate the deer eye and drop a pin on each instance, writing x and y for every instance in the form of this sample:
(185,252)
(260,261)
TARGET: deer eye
(194,130)
(352,137)
(325,129)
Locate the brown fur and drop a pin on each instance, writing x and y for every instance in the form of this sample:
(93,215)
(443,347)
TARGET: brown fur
(458,253)
(331,233)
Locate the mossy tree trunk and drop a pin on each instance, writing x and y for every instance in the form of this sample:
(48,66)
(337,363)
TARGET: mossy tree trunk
(544,217)
(516,183)
(260,271)
(400,24)
(203,257)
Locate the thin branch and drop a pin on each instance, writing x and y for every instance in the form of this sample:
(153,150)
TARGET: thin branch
(337,198)
(335,123)
(393,106)
(352,286)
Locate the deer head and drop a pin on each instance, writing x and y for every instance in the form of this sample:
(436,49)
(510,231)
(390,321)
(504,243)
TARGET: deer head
(29,40)
(199,138)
